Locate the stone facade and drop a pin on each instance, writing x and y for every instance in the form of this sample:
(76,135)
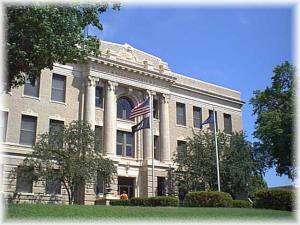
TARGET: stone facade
(121,70)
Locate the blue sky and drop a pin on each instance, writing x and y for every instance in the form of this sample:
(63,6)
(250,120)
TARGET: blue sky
(232,47)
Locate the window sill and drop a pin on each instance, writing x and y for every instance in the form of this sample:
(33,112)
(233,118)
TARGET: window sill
(182,126)
(56,102)
(31,97)
(99,108)
(126,121)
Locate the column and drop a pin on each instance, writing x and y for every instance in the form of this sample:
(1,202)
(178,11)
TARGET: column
(110,118)
(164,128)
(89,101)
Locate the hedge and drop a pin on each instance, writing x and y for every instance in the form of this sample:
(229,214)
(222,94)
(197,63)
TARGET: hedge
(280,199)
(241,204)
(116,202)
(100,201)
(208,199)
(162,201)
(145,201)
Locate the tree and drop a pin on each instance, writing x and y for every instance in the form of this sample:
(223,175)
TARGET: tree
(275,111)
(38,36)
(68,154)
(239,164)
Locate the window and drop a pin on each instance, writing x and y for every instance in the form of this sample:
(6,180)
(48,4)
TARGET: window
(58,88)
(124,108)
(197,117)
(156,147)
(32,90)
(211,123)
(54,127)
(3,125)
(180,113)
(53,186)
(99,189)
(181,149)
(28,130)
(124,144)
(227,123)
(99,97)
(24,182)
(98,139)
(155,108)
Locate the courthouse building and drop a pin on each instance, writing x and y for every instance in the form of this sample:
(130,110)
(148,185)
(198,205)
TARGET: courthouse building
(102,92)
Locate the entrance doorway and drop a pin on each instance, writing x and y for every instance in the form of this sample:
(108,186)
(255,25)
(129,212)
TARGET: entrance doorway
(126,184)
(161,186)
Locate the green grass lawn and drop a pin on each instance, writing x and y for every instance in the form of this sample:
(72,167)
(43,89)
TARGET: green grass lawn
(85,212)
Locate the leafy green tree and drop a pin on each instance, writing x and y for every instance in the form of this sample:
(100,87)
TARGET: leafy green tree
(275,111)
(68,154)
(38,36)
(239,164)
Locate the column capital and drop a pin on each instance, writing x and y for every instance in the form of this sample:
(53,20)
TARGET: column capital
(165,98)
(90,81)
(111,85)
(149,92)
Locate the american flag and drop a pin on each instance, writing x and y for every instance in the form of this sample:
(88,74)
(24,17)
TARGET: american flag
(140,109)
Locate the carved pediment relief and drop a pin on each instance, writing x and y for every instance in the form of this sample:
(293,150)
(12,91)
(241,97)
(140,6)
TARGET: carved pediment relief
(127,54)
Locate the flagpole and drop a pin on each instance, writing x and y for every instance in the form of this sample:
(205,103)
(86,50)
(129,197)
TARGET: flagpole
(217,152)
(151,134)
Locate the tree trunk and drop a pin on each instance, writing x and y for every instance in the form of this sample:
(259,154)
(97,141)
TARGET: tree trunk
(79,191)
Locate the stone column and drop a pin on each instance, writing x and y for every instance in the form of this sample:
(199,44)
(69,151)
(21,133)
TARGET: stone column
(89,101)
(110,118)
(164,127)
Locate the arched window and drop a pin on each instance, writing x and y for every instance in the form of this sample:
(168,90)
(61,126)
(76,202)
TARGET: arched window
(124,108)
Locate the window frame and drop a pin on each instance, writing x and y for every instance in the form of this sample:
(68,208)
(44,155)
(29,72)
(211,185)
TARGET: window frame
(37,86)
(124,144)
(211,126)
(155,108)
(226,116)
(179,104)
(124,116)
(184,153)
(25,180)
(156,147)
(3,129)
(64,89)
(34,132)
(57,190)
(195,118)
(99,139)
(100,98)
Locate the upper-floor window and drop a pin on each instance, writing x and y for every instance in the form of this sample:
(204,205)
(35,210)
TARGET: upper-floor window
(227,123)
(156,147)
(197,117)
(24,181)
(99,97)
(3,125)
(155,108)
(211,122)
(58,91)
(180,113)
(98,139)
(32,90)
(125,144)
(181,149)
(124,107)
(28,130)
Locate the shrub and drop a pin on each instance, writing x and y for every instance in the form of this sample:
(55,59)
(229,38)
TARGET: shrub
(208,199)
(100,201)
(162,201)
(281,199)
(155,201)
(116,202)
(140,201)
(241,204)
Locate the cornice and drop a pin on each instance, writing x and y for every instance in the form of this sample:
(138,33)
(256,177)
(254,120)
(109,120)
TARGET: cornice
(133,68)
